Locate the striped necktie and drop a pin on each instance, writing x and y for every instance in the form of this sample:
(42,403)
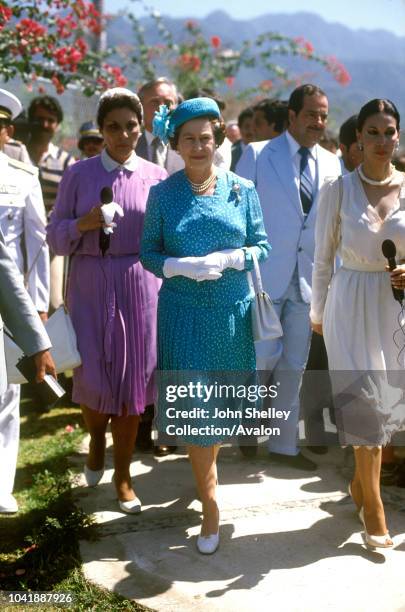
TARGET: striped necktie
(158,152)
(306,184)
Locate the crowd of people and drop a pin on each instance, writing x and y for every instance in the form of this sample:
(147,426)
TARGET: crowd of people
(167,291)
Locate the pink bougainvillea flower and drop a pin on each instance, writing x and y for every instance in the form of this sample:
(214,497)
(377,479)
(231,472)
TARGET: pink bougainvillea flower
(266,85)
(190,62)
(30,30)
(338,71)
(5,15)
(121,81)
(60,88)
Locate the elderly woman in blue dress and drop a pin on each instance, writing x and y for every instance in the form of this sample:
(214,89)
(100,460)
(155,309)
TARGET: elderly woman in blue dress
(201,227)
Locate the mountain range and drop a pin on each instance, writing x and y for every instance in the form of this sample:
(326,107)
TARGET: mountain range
(375,59)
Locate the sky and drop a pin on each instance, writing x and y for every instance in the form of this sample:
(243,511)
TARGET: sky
(367,14)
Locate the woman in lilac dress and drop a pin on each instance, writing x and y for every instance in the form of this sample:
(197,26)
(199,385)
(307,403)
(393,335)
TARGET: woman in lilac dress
(111,298)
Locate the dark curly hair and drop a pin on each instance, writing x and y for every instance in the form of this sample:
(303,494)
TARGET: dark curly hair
(49,103)
(218,130)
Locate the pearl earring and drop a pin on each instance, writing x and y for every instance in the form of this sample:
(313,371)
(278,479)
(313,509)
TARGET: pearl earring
(360,146)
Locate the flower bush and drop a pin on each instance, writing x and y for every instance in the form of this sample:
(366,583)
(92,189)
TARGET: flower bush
(196,61)
(46,38)
(51,39)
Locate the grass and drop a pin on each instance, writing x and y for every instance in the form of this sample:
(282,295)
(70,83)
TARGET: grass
(39,548)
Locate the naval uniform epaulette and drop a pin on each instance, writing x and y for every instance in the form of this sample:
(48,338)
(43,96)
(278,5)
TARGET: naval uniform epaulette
(14,143)
(22,166)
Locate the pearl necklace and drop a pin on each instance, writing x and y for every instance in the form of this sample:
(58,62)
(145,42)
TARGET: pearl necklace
(370,181)
(201,187)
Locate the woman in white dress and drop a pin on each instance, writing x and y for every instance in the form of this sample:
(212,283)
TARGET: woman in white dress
(356,311)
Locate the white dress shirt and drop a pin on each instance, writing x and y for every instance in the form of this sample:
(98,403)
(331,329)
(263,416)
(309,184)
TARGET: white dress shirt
(296,159)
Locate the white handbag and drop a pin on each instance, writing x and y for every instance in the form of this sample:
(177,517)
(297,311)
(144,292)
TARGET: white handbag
(64,346)
(265,322)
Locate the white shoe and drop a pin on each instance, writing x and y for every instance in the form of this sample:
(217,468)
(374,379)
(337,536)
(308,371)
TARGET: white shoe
(92,477)
(133,506)
(207,545)
(375,541)
(8,504)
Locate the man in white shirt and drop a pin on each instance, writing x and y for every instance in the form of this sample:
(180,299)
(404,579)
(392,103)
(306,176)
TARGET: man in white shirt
(288,172)
(45,116)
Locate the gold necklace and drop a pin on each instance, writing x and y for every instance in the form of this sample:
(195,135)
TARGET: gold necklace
(201,187)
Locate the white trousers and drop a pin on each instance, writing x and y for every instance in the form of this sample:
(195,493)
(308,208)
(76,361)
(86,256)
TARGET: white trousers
(9,437)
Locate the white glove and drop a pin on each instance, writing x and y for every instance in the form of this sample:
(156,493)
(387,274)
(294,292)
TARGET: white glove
(195,268)
(231,258)
(108,211)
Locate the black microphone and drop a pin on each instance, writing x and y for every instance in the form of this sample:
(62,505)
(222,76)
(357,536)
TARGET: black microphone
(389,251)
(106,196)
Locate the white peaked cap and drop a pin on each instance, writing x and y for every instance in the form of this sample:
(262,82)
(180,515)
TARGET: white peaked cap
(10,105)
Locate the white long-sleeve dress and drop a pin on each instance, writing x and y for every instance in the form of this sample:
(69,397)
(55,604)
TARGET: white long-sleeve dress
(359,314)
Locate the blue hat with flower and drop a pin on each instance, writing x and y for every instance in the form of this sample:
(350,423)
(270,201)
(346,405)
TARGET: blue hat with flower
(166,121)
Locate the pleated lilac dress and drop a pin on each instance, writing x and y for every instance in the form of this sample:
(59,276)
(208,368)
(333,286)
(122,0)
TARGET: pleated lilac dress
(112,300)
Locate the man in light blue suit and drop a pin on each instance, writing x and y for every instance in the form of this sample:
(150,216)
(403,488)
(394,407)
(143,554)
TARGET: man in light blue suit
(288,173)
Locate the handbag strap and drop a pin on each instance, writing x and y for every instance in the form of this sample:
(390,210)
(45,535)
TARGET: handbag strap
(256,266)
(66,271)
(255,281)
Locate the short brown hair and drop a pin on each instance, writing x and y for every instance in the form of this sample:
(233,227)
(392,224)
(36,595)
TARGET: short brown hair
(218,130)
(296,101)
(110,103)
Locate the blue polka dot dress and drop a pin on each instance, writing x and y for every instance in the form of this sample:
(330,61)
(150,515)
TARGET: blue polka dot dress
(203,326)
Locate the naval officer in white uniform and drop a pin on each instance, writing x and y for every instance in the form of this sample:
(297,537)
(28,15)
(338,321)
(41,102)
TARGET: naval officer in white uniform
(22,222)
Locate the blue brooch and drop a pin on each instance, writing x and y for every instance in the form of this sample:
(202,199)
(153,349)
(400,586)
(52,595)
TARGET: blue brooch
(161,124)
(236,190)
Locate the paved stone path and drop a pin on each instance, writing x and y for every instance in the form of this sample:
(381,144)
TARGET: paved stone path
(290,541)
